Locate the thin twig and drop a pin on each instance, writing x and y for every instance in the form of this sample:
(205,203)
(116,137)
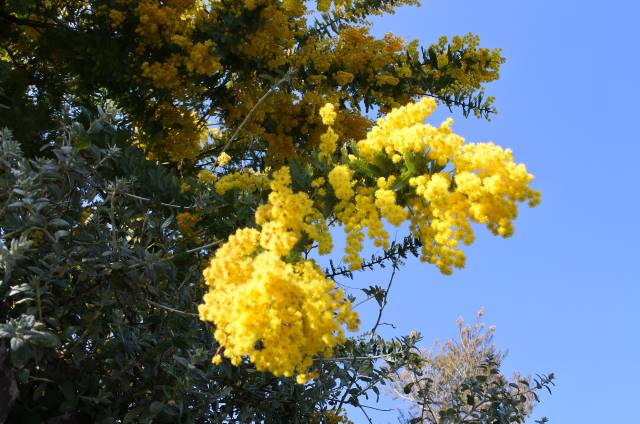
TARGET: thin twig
(376,409)
(24,22)
(114,237)
(365,300)
(353,358)
(384,301)
(170,309)
(204,246)
(373,333)
(146,199)
(264,97)
(365,414)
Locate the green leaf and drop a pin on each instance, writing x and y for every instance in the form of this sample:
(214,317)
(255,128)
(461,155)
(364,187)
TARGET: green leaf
(68,390)
(60,233)
(7,330)
(22,376)
(40,391)
(156,407)
(22,288)
(44,339)
(132,415)
(407,389)
(17,344)
(59,222)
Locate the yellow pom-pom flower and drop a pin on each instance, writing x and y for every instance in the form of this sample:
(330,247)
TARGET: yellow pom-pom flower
(328,114)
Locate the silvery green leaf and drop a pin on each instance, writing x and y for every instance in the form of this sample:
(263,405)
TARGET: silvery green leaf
(166,222)
(44,339)
(60,233)
(23,376)
(95,127)
(22,288)
(6,331)
(16,343)
(27,321)
(59,222)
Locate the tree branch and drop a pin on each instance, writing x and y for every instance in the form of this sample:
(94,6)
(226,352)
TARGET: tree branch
(22,21)
(286,77)
(170,309)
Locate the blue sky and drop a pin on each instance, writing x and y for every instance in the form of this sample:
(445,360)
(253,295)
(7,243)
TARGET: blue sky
(563,292)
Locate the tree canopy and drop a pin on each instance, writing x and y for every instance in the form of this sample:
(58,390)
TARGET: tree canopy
(169,170)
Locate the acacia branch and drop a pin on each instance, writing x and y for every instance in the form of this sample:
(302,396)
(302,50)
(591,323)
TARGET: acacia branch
(264,97)
(373,333)
(384,301)
(204,246)
(353,358)
(170,309)
(146,199)
(23,21)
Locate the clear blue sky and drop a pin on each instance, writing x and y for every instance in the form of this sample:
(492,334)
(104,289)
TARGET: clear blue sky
(564,291)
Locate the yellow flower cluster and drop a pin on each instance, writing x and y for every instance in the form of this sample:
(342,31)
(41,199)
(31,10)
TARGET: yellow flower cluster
(293,6)
(366,210)
(328,140)
(287,216)
(182,137)
(247,181)
(279,310)
(270,41)
(483,186)
(328,114)
(167,55)
(223,159)
(403,131)
(287,121)
(386,202)
(377,61)
(201,61)
(354,215)
(187,223)
(117,17)
(475,64)
(340,180)
(278,313)
(206,176)
(284,218)
(164,75)
(172,23)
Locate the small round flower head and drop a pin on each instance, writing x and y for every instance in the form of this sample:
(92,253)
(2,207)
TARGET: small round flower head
(223,159)
(328,114)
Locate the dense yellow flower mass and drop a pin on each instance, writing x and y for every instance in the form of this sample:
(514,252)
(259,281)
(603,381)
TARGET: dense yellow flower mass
(280,313)
(328,114)
(246,181)
(187,223)
(328,140)
(279,310)
(177,57)
(206,176)
(173,23)
(459,184)
(223,159)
